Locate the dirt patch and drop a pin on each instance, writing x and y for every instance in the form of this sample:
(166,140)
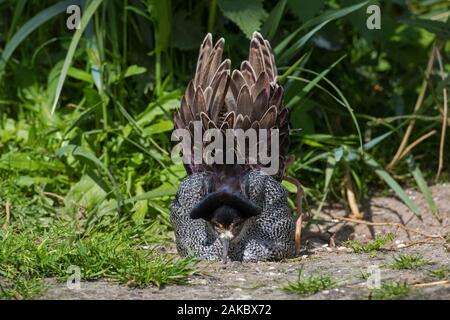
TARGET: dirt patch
(214,280)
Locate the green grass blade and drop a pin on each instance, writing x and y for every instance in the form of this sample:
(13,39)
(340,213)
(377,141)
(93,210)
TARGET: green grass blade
(423,186)
(319,23)
(372,143)
(20,5)
(313,83)
(331,164)
(29,27)
(294,67)
(88,13)
(157,193)
(346,104)
(270,27)
(384,175)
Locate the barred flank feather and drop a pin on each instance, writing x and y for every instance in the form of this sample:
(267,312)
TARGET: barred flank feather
(248,98)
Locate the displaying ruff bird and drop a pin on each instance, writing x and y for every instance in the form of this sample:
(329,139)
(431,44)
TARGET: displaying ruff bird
(234,211)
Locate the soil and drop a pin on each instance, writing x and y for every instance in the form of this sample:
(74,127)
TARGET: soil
(264,280)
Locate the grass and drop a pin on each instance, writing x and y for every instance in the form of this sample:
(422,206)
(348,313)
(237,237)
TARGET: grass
(441,272)
(391,290)
(311,284)
(30,255)
(372,246)
(408,262)
(36,246)
(105,151)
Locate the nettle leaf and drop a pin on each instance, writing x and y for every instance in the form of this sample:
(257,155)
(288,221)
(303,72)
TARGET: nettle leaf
(187,32)
(306,10)
(248,15)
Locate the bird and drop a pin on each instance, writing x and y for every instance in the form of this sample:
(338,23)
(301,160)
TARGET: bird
(234,211)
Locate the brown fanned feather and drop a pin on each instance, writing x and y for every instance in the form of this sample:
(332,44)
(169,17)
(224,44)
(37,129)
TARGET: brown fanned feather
(250,97)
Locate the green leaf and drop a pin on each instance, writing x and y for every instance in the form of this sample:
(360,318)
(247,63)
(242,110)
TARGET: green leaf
(88,13)
(80,152)
(80,75)
(270,27)
(248,14)
(372,143)
(26,181)
(29,27)
(161,13)
(306,10)
(162,126)
(441,29)
(27,162)
(383,174)
(86,194)
(134,70)
(140,207)
(157,193)
(423,186)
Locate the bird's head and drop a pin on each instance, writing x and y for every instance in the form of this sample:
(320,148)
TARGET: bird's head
(226,214)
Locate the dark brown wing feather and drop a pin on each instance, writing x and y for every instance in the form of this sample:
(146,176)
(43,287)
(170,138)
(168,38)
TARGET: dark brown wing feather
(250,98)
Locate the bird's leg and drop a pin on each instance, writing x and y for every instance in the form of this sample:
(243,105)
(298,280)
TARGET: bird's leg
(299,210)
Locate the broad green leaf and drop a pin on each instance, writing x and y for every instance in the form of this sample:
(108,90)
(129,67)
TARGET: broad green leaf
(157,193)
(384,175)
(26,162)
(80,152)
(86,194)
(80,75)
(441,29)
(161,126)
(88,13)
(187,33)
(161,13)
(140,207)
(290,187)
(26,181)
(134,70)
(248,14)
(305,10)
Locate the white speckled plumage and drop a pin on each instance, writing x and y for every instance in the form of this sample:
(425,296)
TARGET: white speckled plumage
(269,236)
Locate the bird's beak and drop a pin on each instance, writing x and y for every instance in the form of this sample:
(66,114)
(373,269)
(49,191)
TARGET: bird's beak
(226,245)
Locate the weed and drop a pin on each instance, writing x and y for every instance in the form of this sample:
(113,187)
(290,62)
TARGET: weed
(371,246)
(404,262)
(29,256)
(307,285)
(391,290)
(441,272)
